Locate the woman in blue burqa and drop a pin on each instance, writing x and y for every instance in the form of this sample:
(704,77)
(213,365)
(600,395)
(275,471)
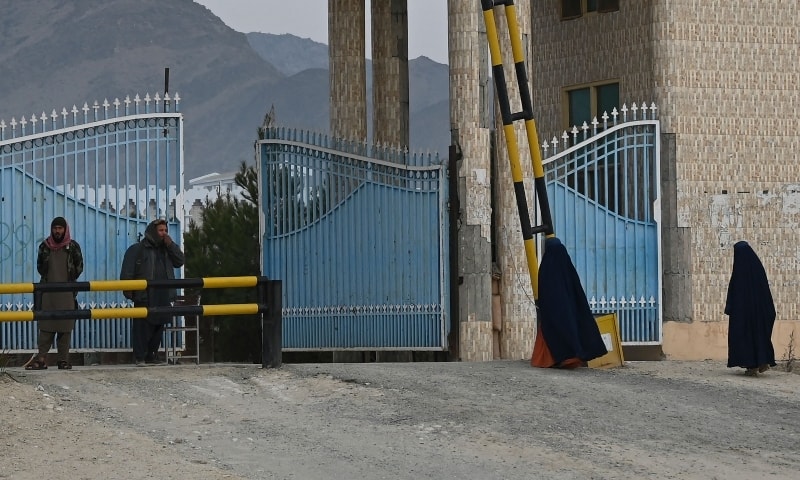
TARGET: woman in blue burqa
(751,313)
(568,336)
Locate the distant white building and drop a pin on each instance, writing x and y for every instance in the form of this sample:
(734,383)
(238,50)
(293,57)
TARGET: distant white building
(208,188)
(151,202)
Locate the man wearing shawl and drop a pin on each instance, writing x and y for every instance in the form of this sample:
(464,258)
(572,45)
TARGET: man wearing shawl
(155,257)
(751,313)
(59,260)
(567,333)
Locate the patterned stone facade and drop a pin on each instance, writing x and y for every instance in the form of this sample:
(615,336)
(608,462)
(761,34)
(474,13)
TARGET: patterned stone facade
(348,74)
(518,310)
(726,79)
(390,73)
(497,294)
(470,130)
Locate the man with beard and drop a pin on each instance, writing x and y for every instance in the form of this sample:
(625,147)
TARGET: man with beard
(155,257)
(59,260)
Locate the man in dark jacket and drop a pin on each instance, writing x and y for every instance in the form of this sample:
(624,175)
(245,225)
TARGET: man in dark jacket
(155,257)
(59,260)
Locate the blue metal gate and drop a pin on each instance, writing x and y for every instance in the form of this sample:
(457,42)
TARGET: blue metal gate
(109,169)
(604,198)
(358,236)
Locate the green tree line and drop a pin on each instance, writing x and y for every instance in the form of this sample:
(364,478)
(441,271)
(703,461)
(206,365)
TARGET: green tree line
(226,244)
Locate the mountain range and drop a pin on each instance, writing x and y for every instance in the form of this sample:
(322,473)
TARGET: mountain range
(60,53)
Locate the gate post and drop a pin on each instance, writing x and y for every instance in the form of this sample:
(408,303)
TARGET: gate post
(269,293)
(454,215)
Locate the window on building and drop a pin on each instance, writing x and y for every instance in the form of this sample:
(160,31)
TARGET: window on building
(587,102)
(571,9)
(605,6)
(580,106)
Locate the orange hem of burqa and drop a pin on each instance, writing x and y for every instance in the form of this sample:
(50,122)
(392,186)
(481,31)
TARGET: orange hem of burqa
(542,358)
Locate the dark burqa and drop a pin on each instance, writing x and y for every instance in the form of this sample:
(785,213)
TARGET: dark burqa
(751,310)
(566,321)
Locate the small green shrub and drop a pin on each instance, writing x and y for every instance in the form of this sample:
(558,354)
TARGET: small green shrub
(789,355)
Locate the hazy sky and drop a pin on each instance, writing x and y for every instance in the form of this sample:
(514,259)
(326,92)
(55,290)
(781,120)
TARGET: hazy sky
(427,21)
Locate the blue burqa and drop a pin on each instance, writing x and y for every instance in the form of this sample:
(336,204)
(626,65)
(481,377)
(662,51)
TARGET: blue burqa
(566,321)
(750,310)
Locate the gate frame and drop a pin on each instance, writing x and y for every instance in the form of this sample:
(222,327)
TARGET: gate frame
(656,205)
(386,157)
(91,117)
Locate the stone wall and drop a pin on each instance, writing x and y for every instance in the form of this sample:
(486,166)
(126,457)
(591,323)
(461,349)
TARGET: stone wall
(470,130)
(725,77)
(518,310)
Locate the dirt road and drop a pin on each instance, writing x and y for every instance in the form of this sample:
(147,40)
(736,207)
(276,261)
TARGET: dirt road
(496,420)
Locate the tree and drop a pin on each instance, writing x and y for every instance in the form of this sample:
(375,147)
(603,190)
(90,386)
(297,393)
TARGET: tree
(227,245)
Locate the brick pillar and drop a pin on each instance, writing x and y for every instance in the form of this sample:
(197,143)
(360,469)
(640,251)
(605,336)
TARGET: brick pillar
(517,331)
(348,86)
(348,77)
(470,121)
(390,72)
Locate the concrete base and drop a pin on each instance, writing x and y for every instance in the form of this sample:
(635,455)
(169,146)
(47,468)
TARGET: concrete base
(709,340)
(643,353)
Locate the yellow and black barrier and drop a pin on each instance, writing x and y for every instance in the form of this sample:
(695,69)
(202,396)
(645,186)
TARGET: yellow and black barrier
(510,136)
(268,306)
(121,285)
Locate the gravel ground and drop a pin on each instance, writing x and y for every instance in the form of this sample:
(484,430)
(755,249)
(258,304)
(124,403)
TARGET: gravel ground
(493,420)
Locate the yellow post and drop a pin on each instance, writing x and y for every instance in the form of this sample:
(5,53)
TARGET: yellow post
(511,144)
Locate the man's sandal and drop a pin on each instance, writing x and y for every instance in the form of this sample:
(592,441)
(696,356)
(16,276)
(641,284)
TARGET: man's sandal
(62,365)
(36,365)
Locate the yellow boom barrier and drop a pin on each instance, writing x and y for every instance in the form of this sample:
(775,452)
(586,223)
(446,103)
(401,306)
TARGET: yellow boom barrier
(269,306)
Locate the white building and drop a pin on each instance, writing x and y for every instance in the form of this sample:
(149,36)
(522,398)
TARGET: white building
(207,188)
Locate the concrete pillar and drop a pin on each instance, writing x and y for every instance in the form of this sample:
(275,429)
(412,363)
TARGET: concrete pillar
(348,76)
(348,85)
(390,72)
(469,118)
(517,304)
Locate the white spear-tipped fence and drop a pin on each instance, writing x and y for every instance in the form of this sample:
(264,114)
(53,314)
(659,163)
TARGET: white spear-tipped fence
(603,187)
(108,168)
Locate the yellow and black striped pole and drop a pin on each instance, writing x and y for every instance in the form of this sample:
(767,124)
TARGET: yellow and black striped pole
(511,138)
(135,312)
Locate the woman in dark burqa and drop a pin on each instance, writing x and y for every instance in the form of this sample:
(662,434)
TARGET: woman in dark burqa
(751,313)
(568,335)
